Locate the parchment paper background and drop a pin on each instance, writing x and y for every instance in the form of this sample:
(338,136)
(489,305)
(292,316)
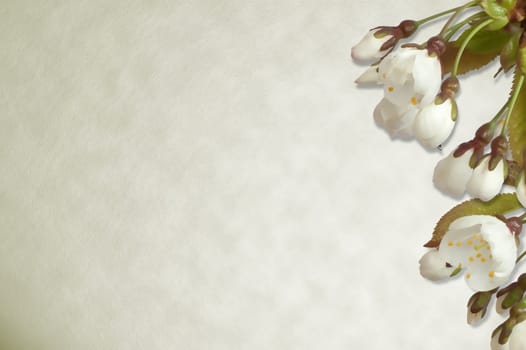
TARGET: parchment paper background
(205,175)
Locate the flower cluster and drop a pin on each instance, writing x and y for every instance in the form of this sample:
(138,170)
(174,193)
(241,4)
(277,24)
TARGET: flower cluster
(480,237)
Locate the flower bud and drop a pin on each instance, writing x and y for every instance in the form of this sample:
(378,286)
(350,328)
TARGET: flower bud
(433,267)
(452,174)
(434,123)
(371,47)
(478,305)
(379,41)
(508,297)
(486,183)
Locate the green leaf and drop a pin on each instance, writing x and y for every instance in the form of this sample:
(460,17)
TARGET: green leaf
(486,41)
(517,124)
(508,55)
(470,60)
(501,204)
(483,48)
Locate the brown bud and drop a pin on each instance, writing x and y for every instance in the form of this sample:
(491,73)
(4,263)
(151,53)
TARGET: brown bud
(449,88)
(515,225)
(485,133)
(436,45)
(407,28)
(499,146)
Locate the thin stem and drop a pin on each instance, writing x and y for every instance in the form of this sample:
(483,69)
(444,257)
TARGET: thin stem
(443,13)
(455,15)
(512,102)
(453,29)
(520,257)
(466,41)
(499,113)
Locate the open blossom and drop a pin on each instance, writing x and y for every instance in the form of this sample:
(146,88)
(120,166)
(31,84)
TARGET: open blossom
(396,120)
(452,174)
(484,246)
(433,267)
(485,183)
(410,77)
(370,47)
(434,123)
(516,341)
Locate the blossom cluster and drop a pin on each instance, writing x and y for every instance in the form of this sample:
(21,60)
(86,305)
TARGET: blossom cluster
(419,81)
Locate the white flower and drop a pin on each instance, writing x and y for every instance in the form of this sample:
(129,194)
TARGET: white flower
(434,123)
(484,183)
(452,174)
(396,120)
(484,246)
(433,267)
(410,77)
(521,191)
(516,341)
(370,47)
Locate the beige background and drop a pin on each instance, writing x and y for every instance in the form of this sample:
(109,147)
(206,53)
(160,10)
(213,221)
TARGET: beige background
(205,175)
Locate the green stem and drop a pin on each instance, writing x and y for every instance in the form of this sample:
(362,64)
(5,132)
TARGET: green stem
(443,13)
(499,114)
(455,15)
(512,102)
(453,29)
(465,43)
(520,257)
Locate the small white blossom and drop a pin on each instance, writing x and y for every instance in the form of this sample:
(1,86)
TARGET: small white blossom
(452,174)
(433,267)
(484,183)
(370,47)
(521,190)
(410,77)
(434,123)
(396,120)
(484,246)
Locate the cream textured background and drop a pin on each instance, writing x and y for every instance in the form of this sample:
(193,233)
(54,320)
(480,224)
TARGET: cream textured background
(205,175)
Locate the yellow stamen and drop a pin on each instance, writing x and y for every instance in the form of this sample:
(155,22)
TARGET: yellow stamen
(450,244)
(414,101)
(491,274)
(390,89)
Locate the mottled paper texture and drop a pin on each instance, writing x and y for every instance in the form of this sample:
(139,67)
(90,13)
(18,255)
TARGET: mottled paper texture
(205,175)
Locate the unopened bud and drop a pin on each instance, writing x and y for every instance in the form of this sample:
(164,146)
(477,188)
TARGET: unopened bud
(485,133)
(478,305)
(508,297)
(436,45)
(407,28)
